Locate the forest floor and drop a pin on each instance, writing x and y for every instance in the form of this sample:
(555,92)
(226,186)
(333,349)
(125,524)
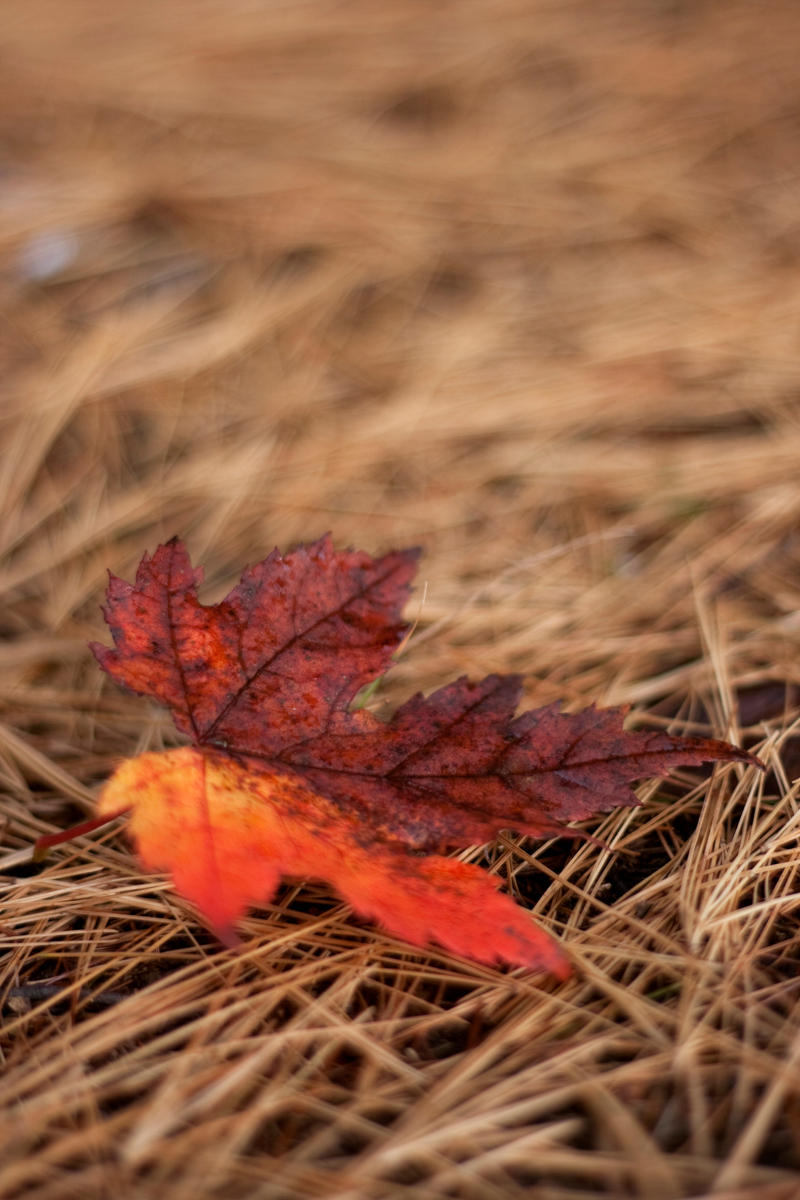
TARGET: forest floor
(515,282)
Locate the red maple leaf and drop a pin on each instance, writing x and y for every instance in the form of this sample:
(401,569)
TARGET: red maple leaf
(284,778)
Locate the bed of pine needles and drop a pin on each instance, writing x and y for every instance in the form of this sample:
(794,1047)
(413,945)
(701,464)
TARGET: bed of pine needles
(517,282)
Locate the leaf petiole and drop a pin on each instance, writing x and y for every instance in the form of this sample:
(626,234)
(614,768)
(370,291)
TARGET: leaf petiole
(45,843)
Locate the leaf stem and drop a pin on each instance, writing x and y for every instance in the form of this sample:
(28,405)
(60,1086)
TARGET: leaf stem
(45,843)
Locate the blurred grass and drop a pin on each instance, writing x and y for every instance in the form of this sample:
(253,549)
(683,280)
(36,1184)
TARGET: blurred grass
(516,282)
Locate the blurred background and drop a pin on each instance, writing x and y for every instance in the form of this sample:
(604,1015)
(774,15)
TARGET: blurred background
(486,276)
(514,280)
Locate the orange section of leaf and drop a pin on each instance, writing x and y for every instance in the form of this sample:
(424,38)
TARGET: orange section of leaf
(227,835)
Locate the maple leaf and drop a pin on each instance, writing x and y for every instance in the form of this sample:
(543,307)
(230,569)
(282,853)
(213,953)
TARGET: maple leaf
(284,778)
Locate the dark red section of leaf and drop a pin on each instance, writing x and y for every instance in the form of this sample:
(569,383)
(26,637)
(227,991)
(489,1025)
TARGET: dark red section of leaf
(293,642)
(455,767)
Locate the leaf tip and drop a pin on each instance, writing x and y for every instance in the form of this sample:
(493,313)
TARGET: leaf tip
(561,968)
(726,751)
(228,936)
(99,651)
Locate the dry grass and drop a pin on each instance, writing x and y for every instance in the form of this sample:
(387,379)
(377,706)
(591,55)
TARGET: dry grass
(515,281)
